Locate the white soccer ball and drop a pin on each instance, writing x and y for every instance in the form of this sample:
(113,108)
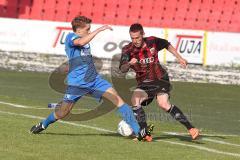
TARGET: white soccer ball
(124,129)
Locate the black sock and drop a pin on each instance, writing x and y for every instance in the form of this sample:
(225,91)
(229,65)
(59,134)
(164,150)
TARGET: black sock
(177,114)
(140,116)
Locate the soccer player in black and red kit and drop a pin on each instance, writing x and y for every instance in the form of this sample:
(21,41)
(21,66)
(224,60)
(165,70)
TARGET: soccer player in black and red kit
(141,55)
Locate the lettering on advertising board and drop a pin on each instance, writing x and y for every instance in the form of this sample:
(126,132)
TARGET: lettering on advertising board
(102,45)
(191,47)
(61,35)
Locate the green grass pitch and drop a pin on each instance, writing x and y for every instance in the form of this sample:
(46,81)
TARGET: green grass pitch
(24,97)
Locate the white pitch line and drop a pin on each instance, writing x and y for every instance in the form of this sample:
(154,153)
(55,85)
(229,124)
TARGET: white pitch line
(14,105)
(29,107)
(220,142)
(106,130)
(173,133)
(205,139)
(203,134)
(60,121)
(202,148)
(109,131)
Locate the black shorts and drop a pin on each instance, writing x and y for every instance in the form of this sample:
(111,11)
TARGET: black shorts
(152,88)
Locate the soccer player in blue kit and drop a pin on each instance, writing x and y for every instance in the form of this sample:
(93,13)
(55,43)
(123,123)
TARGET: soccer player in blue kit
(83,79)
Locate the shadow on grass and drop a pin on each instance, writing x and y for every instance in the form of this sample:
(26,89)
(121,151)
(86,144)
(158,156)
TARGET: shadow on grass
(83,134)
(183,138)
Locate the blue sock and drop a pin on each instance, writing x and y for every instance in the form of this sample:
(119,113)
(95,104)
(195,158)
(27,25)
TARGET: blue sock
(50,119)
(128,116)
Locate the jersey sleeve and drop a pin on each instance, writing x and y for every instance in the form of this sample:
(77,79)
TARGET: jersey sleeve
(161,43)
(71,38)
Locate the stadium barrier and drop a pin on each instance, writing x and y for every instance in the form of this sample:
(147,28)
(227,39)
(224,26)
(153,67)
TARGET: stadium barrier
(35,62)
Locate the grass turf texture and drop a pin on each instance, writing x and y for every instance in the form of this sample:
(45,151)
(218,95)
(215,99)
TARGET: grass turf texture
(211,107)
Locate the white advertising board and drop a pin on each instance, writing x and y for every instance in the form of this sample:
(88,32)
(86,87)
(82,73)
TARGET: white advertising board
(189,43)
(48,37)
(223,48)
(107,43)
(28,35)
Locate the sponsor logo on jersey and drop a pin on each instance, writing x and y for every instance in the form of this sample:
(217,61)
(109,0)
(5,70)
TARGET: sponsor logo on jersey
(146,60)
(86,50)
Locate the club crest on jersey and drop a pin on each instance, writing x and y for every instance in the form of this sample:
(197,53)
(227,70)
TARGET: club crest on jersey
(152,50)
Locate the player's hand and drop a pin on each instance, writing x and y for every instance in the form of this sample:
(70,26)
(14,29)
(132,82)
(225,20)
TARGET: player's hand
(133,61)
(183,62)
(105,27)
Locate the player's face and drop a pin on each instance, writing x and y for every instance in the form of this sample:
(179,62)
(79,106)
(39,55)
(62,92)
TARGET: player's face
(137,38)
(84,31)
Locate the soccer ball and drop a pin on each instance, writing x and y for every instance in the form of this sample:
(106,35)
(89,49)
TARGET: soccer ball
(124,129)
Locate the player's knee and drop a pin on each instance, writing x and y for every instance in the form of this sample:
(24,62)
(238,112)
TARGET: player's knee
(134,101)
(113,96)
(137,98)
(117,100)
(164,105)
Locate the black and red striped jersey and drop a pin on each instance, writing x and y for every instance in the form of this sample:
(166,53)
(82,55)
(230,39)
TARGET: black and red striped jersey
(148,66)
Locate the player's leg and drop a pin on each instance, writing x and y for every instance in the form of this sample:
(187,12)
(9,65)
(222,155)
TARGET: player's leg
(123,108)
(138,97)
(103,88)
(143,96)
(176,113)
(127,114)
(60,112)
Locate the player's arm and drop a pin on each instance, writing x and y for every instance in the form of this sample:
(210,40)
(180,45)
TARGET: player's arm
(86,39)
(163,43)
(125,67)
(126,61)
(180,59)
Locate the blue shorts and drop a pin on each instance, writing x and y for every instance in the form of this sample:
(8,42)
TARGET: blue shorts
(96,89)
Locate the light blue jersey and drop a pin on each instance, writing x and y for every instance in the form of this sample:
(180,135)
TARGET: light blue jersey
(81,66)
(82,76)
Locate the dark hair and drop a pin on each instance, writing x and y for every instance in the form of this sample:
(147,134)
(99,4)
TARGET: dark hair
(80,22)
(136,27)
